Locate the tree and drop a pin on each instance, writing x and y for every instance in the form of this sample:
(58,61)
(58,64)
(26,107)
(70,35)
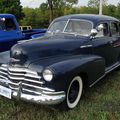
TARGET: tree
(43,15)
(58,5)
(117,12)
(72,2)
(50,4)
(37,18)
(109,10)
(13,7)
(30,17)
(95,3)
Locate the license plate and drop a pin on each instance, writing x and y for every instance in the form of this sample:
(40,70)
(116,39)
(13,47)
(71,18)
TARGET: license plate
(6,92)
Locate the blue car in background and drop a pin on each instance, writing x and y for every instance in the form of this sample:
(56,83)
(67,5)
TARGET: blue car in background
(10,32)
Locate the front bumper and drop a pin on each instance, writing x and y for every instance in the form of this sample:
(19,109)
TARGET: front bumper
(41,95)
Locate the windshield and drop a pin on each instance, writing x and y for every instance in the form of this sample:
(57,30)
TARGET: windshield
(57,27)
(77,27)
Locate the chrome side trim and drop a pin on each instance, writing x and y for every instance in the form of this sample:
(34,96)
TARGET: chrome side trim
(112,68)
(97,81)
(86,46)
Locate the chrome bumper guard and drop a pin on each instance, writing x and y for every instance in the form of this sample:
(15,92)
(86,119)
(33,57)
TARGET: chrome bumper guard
(41,95)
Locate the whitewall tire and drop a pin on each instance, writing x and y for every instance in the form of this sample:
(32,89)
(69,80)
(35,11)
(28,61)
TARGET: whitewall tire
(74,92)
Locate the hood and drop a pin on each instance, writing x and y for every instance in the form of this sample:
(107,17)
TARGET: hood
(45,47)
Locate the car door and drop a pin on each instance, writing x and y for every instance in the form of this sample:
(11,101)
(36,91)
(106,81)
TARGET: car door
(103,45)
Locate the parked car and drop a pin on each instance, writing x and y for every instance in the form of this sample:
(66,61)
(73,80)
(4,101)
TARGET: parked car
(77,51)
(22,28)
(10,32)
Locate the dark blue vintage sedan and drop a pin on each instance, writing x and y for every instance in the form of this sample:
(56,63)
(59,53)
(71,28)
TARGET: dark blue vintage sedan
(77,51)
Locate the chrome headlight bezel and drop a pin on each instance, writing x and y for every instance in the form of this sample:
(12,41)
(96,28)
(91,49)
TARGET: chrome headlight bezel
(47,75)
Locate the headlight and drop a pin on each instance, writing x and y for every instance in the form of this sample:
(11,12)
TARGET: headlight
(47,75)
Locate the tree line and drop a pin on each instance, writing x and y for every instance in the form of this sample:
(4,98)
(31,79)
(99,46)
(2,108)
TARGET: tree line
(42,16)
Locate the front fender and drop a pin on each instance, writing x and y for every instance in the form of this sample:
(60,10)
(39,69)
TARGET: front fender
(93,66)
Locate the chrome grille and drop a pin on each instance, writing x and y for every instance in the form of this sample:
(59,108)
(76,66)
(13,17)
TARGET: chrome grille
(29,79)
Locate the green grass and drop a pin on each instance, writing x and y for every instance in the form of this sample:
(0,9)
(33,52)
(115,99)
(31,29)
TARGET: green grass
(101,102)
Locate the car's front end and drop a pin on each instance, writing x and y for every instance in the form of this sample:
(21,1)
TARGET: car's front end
(25,84)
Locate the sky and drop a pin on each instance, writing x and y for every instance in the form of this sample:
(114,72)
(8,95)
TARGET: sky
(36,3)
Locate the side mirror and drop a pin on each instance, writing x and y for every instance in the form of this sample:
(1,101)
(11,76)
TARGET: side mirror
(94,32)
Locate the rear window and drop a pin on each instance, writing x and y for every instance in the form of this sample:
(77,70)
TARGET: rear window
(2,25)
(7,24)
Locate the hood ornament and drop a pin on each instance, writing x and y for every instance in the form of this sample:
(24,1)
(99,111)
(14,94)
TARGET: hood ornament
(17,54)
(17,58)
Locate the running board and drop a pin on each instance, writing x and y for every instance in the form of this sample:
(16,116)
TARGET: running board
(112,67)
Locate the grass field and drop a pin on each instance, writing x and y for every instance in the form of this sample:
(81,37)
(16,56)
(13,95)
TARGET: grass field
(102,102)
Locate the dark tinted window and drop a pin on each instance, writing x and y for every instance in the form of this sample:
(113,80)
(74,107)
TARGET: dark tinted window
(2,26)
(114,29)
(7,24)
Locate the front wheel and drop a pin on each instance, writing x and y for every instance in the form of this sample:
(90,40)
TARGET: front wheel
(74,92)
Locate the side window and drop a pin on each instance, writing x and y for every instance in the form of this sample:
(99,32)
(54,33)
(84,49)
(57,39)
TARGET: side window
(114,29)
(119,27)
(103,31)
(2,24)
(9,24)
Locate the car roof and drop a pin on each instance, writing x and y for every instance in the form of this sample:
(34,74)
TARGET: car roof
(90,17)
(7,16)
